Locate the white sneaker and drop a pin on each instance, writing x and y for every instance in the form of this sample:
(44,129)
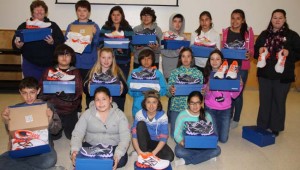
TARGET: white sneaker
(169,35)
(153,161)
(37,24)
(233,69)
(115,34)
(59,75)
(221,71)
(262,58)
(279,67)
(203,41)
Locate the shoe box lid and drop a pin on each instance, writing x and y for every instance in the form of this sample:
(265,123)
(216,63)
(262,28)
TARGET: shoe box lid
(84,29)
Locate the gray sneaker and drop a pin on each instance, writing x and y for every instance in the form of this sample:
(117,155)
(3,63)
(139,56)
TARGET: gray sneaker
(233,124)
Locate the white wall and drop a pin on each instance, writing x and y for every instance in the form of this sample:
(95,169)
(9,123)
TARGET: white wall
(258,13)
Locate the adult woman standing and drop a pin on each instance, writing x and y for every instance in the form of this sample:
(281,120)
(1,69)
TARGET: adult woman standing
(37,55)
(277,49)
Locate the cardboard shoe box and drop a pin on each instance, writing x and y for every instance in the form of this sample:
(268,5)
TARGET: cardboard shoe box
(29,35)
(234,54)
(198,141)
(200,51)
(114,88)
(174,44)
(84,29)
(95,163)
(143,39)
(51,87)
(186,89)
(258,136)
(224,84)
(25,118)
(122,43)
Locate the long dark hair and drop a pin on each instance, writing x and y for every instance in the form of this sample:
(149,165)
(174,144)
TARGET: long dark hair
(179,63)
(285,25)
(124,23)
(199,95)
(244,27)
(198,31)
(208,67)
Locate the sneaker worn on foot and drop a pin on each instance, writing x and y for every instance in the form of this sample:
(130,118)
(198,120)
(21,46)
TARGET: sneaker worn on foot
(153,161)
(179,162)
(233,124)
(186,79)
(100,150)
(103,78)
(261,62)
(232,71)
(221,71)
(199,128)
(279,67)
(145,74)
(59,75)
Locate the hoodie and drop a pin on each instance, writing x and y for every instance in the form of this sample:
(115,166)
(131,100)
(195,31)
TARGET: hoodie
(115,131)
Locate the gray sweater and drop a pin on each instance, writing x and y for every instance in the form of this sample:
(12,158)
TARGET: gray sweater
(115,131)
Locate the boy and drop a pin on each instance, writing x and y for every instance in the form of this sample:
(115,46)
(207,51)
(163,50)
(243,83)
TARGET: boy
(29,90)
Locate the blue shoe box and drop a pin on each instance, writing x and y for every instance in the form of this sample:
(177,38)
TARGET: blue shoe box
(114,88)
(200,51)
(50,87)
(186,89)
(138,168)
(122,43)
(175,44)
(88,163)
(224,84)
(143,39)
(234,54)
(29,35)
(198,141)
(258,136)
(143,82)
(29,151)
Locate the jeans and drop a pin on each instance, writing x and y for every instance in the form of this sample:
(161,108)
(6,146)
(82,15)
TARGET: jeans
(174,116)
(42,161)
(195,156)
(237,104)
(31,70)
(221,122)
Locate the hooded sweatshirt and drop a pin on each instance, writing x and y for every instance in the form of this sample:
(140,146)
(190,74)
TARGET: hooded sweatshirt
(115,131)
(170,57)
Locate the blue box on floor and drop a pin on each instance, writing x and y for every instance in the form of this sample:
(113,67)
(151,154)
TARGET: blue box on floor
(224,84)
(175,44)
(29,35)
(30,151)
(198,141)
(200,51)
(258,136)
(143,84)
(116,43)
(138,168)
(234,54)
(114,88)
(143,39)
(50,87)
(88,163)
(186,89)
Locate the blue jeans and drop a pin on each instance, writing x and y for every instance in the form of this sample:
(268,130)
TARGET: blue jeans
(42,161)
(174,116)
(32,70)
(221,122)
(195,156)
(237,104)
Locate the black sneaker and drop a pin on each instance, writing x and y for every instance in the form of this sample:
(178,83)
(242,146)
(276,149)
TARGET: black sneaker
(100,150)
(186,79)
(146,31)
(103,78)
(199,128)
(239,45)
(145,74)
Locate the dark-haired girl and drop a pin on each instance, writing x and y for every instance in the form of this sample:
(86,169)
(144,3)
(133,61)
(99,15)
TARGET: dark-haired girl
(193,113)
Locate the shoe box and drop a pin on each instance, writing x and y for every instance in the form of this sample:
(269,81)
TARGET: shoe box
(234,53)
(198,141)
(258,136)
(143,39)
(122,43)
(174,44)
(114,88)
(144,85)
(84,163)
(27,117)
(201,51)
(51,87)
(186,89)
(136,167)
(29,35)
(224,84)
(84,29)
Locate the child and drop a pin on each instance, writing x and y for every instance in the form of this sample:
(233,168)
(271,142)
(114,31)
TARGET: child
(170,57)
(239,32)
(117,22)
(205,33)
(66,105)
(29,90)
(194,113)
(185,65)
(150,129)
(106,64)
(146,60)
(85,61)
(102,123)
(148,19)
(218,103)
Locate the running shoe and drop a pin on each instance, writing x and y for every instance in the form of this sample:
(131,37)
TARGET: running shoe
(203,41)
(145,74)
(169,35)
(186,79)
(104,78)
(154,162)
(233,70)
(100,150)
(199,128)
(146,31)
(279,67)
(261,62)
(115,34)
(221,71)
(237,45)
(59,75)
(34,24)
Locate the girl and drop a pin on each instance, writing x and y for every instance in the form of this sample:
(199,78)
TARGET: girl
(273,85)
(185,65)
(148,19)
(102,117)
(194,113)
(146,60)
(116,22)
(205,32)
(150,128)
(106,63)
(66,105)
(218,109)
(239,32)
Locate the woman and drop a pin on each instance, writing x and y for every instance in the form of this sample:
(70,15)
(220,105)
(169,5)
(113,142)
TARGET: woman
(37,55)
(275,78)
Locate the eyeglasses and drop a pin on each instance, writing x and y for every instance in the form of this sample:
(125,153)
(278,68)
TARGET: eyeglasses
(195,103)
